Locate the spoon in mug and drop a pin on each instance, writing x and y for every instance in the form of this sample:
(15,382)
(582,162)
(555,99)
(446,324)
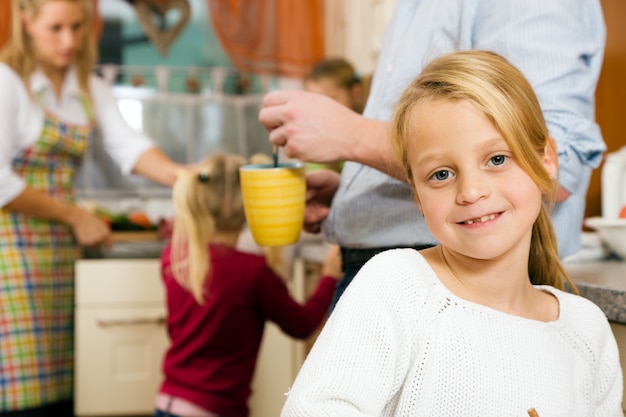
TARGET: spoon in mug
(275,155)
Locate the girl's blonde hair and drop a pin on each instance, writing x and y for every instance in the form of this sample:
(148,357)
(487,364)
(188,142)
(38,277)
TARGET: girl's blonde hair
(207,200)
(506,97)
(20,56)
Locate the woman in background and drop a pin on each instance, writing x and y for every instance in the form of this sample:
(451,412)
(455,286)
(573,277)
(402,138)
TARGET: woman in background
(219,298)
(50,107)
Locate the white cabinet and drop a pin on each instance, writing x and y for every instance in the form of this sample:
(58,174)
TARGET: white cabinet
(120,336)
(121,339)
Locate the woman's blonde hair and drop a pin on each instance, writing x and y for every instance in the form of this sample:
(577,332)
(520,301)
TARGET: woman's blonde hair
(207,200)
(20,56)
(507,99)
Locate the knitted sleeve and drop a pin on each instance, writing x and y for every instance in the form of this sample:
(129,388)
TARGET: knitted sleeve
(362,355)
(609,381)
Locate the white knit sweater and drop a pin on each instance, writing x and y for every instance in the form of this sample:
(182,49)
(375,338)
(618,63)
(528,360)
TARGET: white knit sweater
(400,344)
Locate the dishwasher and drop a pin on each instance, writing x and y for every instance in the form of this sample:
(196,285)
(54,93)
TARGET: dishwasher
(120,336)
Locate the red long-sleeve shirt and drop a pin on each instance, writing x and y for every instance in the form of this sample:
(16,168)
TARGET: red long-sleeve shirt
(214,347)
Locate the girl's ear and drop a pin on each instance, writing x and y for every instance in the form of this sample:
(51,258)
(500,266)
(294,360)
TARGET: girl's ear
(550,158)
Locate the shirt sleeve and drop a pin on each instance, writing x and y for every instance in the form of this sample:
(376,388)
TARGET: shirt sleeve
(610,381)
(11,99)
(295,319)
(361,357)
(122,142)
(559,46)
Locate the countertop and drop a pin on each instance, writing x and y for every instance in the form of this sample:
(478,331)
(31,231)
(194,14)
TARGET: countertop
(124,245)
(601,281)
(604,283)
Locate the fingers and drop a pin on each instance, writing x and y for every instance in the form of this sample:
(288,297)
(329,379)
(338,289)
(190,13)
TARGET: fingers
(313,217)
(273,114)
(277,110)
(276,98)
(323,180)
(332,263)
(313,228)
(278,136)
(90,230)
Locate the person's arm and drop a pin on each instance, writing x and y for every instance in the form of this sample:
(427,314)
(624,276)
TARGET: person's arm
(86,227)
(609,390)
(361,357)
(295,319)
(315,128)
(131,150)
(16,113)
(156,166)
(321,186)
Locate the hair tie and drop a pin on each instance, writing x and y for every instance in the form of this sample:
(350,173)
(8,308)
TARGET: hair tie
(203,177)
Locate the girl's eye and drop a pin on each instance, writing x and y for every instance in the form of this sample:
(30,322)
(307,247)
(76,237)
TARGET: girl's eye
(441,175)
(497,160)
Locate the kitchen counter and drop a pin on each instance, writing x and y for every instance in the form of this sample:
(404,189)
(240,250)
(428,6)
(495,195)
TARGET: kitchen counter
(604,283)
(128,245)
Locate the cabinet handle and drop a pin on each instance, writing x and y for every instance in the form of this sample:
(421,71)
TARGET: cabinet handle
(159,321)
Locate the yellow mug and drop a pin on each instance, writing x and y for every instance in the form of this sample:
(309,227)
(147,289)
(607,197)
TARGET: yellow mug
(274,199)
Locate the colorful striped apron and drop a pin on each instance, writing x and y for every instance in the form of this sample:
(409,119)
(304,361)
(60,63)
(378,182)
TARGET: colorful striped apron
(37,276)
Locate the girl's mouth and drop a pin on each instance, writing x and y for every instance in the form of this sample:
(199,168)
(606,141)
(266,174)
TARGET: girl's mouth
(480,219)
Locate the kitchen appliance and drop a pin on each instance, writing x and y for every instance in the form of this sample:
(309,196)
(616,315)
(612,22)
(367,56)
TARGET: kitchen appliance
(613,181)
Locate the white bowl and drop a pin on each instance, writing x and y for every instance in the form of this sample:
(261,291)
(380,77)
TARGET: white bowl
(611,231)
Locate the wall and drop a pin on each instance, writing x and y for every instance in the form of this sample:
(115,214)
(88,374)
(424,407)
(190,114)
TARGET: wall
(355,28)
(197,44)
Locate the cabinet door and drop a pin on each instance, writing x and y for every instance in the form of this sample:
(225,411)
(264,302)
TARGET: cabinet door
(118,360)
(118,282)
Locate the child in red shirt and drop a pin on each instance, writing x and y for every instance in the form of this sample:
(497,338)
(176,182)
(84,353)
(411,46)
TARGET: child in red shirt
(219,298)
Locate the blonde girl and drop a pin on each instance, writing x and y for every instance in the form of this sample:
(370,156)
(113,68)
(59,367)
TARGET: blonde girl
(478,77)
(478,325)
(209,209)
(219,298)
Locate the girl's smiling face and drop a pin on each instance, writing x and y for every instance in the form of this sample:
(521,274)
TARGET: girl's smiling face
(475,198)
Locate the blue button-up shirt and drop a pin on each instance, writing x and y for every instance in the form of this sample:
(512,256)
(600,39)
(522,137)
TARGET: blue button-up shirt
(557,44)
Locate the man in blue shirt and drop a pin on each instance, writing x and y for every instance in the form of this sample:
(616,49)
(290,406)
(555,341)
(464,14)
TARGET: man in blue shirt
(557,44)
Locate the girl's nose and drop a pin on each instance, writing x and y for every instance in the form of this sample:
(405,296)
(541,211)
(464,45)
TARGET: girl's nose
(471,188)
